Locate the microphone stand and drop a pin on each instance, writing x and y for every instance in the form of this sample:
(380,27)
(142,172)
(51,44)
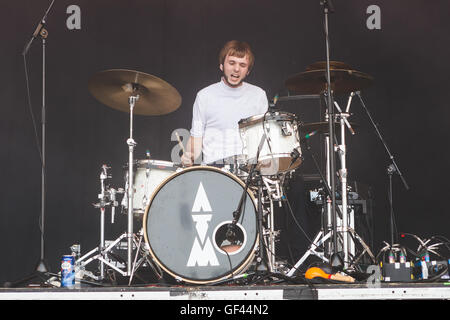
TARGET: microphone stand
(43,33)
(328,8)
(42,266)
(392,168)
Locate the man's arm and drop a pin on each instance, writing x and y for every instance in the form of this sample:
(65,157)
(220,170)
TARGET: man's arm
(193,151)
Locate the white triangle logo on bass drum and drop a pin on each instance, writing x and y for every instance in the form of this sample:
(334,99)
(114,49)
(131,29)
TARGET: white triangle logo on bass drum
(201,202)
(202,256)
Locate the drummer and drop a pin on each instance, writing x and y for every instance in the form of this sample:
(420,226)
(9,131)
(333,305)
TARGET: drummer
(215,130)
(219,107)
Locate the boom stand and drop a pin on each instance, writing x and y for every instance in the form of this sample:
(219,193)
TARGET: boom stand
(41,32)
(391,169)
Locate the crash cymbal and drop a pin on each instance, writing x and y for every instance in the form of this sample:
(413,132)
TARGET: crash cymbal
(321,127)
(114,87)
(343,79)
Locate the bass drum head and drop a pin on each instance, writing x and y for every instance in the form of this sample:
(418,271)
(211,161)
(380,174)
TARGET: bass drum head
(186,221)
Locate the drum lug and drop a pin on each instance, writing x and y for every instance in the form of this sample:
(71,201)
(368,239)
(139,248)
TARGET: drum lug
(286,129)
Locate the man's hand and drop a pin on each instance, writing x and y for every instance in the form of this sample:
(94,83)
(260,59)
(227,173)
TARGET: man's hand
(193,151)
(187,159)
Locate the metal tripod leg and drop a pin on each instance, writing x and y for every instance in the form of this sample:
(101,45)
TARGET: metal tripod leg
(144,258)
(367,250)
(101,257)
(317,242)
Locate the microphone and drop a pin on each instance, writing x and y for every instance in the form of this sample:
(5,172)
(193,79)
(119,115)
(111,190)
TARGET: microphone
(230,235)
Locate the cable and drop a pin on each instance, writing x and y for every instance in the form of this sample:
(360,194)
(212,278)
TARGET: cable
(38,146)
(31,110)
(297,223)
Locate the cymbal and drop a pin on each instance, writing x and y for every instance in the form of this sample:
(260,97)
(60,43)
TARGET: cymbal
(343,79)
(321,127)
(114,87)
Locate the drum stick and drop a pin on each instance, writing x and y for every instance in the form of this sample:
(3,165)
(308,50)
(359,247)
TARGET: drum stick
(179,142)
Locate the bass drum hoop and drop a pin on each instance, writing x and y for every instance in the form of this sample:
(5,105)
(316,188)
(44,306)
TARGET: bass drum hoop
(243,264)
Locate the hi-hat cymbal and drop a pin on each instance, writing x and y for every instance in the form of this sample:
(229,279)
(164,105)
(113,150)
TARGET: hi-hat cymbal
(321,127)
(114,87)
(343,79)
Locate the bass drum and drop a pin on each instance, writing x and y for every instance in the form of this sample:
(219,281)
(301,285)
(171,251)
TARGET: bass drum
(186,221)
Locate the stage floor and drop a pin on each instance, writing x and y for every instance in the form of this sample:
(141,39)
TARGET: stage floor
(384,291)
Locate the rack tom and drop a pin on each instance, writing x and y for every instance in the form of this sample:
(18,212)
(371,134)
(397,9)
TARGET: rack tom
(280,148)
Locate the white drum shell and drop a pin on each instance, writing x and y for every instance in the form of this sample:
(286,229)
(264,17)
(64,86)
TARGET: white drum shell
(148,175)
(282,138)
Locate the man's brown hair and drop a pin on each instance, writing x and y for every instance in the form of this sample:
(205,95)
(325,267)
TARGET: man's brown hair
(238,49)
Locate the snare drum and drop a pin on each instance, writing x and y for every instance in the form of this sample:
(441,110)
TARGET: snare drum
(148,175)
(280,151)
(186,222)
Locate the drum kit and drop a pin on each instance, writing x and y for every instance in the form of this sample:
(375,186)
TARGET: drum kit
(208,224)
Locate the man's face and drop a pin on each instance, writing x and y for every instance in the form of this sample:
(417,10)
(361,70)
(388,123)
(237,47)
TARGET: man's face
(235,70)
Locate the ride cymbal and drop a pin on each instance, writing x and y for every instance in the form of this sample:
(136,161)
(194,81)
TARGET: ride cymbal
(114,87)
(343,79)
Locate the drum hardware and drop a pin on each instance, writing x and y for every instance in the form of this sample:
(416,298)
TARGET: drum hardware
(231,228)
(280,130)
(107,198)
(318,246)
(121,89)
(328,78)
(299,97)
(144,259)
(345,234)
(328,7)
(343,172)
(274,191)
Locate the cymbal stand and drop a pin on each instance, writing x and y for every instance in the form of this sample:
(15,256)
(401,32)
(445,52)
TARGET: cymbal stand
(348,234)
(144,259)
(129,235)
(329,8)
(343,172)
(131,144)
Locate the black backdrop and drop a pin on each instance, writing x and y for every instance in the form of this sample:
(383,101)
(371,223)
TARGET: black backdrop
(178,41)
